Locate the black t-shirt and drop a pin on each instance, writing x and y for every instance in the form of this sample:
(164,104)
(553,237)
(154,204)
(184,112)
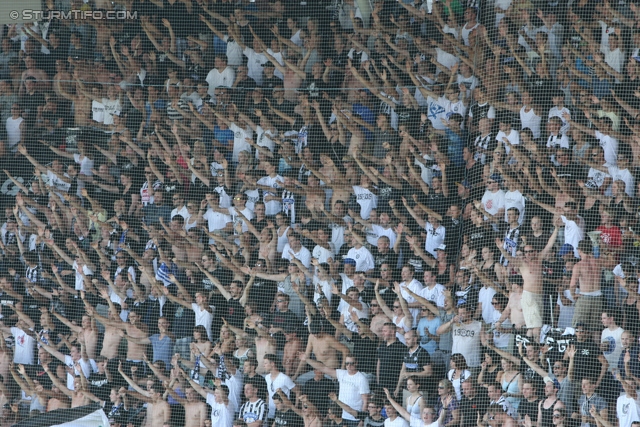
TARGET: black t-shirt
(469,408)
(415,363)
(453,234)
(235,313)
(390,357)
(318,393)
(390,258)
(263,293)
(315,87)
(99,385)
(437,202)
(288,419)
(528,408)
(365,351)
(586,361)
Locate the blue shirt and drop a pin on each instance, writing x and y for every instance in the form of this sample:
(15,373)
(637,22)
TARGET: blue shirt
(162,349)
(367,116)
(455,146)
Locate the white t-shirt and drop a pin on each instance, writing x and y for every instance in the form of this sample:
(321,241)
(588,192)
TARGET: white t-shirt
(322,254)
(514,199)
(493,202)
(216,78)
(79,282)
(364,259)
(351,314)
(282,382)
(627,410)
(610,146)
(87,368)
(377,231)
(216,220)
(435,294)
(110,107)
(239,141)
(86,164)
(303,255)
(24,347)
(398,422)
(366,199)
(324,286)
(558,112)
(625,175)
(513,137)
(97,111)
(573,232)
(596,178)
(435,238)
(254,65)
(265,140)
(221,414)
(417,288)
(234,52)
(466,341)
(274,206)
(614,348)
(203,317)
(183,212)
(352,387)
(485,296)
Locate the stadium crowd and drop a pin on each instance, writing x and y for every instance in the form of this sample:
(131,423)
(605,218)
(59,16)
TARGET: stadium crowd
(323,213)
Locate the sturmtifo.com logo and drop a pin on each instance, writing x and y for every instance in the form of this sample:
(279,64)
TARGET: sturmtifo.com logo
(75,14)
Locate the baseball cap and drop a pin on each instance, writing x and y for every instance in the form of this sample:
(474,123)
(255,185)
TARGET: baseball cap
(564,250)
(555,382)
(496,177)
(350,261)
(441,247)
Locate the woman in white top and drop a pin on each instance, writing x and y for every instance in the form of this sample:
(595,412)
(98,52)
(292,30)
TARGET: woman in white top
(283,230)
(530,116)
(458,373)
(427,414)
(415,402)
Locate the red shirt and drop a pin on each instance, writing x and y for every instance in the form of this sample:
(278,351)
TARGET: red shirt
(610,236)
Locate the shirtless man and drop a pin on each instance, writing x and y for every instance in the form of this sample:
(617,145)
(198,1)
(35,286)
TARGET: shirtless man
(134,328)
(378,316)
(82,104)
(325,348)
(586,276)
(265,343)
(158,411)
(530,267)
(88,330)
(57,399)
(112,338)
(292,347)
(194,409)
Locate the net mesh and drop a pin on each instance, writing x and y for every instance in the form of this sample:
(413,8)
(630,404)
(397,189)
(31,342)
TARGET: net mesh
(292,213)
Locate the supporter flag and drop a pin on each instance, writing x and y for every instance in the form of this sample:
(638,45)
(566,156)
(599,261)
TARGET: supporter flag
(83,416)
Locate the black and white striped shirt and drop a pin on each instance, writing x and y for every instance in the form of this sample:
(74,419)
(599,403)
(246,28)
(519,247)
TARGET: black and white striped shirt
(251,412)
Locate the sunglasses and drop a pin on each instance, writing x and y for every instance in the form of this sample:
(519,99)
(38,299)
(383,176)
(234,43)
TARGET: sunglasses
(349,363)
